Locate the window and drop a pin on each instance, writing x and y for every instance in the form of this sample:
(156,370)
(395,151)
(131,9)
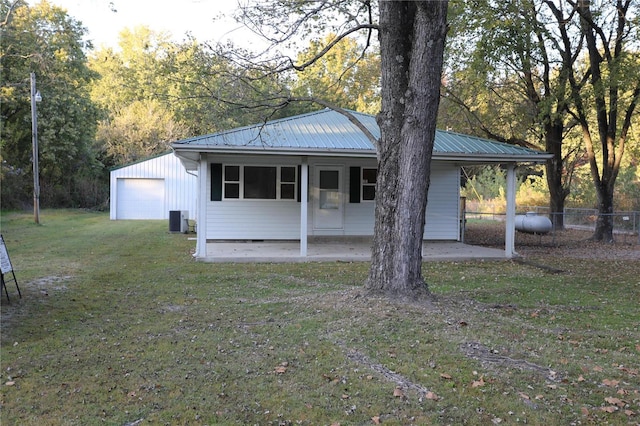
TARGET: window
(287,183)
(329,188)
(231,181)
(369,178)
(260,182)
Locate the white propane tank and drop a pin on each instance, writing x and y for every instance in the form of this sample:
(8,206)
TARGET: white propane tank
(532,223)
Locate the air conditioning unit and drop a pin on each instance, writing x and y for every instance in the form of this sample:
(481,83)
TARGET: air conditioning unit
(179,221)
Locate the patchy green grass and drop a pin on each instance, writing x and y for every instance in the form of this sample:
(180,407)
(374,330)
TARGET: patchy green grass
(118,325)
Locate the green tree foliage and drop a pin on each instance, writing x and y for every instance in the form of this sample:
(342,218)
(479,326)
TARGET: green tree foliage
(132,90)
(209,92)
(138,131)
(485,183)
(321,55)
(345,76)
(132,73)
(156,92)
(561,75)
(627,190)
(508,78)
(43,39)
(485,189)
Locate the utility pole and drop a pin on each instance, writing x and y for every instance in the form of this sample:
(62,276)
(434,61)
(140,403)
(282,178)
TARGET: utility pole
(35,97)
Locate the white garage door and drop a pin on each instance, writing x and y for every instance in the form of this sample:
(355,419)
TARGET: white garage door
(140,199)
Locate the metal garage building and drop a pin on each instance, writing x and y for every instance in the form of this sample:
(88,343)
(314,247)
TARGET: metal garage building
(149,189)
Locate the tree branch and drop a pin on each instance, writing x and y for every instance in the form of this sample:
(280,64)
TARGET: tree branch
(328,47)
(7,17)
(488,132)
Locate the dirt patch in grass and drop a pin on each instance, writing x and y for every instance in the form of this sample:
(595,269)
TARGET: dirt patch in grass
(491,357)
(51,283)
(400,381)
(43,286)
(569,243)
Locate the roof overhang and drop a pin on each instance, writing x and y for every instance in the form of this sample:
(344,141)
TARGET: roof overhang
(190,160)
(480,159)
(190,155)
(251,150)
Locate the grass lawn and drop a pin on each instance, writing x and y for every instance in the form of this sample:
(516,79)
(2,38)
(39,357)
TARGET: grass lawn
(119,325)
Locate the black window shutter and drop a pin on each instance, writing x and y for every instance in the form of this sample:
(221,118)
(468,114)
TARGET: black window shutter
(216,182)
(354,184)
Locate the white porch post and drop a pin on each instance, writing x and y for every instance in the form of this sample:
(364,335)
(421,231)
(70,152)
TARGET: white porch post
(510,229)
(304,196)
(201,236)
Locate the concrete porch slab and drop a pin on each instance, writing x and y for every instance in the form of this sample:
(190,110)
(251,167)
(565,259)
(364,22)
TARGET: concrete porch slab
(334,251)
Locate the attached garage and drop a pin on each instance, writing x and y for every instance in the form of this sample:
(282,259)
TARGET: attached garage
(150,189)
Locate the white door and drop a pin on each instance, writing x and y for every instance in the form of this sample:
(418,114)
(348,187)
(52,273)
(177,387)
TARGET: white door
(328,209)
(140,199)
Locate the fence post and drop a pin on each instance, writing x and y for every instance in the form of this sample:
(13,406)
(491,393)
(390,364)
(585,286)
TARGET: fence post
(463,225)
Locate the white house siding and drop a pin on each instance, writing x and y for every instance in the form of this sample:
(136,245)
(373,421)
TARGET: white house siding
(442,221)
(280,220)
(359,218)
(252,219)
(179,187)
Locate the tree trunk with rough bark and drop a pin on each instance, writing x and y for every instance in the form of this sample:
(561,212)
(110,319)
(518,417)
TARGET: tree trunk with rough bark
(558,192)
(412,36)
(604,223)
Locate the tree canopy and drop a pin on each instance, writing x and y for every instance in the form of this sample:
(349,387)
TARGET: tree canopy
(545,73)
(345,76)
(156,92)
(44,40)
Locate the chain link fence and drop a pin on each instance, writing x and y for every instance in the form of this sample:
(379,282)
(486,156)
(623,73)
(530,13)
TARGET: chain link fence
(579,225)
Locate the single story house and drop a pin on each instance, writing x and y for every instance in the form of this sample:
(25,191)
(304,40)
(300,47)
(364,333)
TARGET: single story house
(314,175)
(150,189)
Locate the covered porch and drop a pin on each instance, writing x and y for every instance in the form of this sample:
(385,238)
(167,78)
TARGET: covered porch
(313,175)
(335,250)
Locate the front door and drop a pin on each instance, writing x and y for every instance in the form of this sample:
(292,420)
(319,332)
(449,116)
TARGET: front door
(328,209)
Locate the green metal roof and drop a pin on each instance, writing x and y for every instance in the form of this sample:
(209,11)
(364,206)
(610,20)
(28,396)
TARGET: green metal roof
(328,132)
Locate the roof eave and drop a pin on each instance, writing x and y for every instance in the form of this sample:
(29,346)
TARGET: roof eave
(492,158)
(361,153)
(275,151)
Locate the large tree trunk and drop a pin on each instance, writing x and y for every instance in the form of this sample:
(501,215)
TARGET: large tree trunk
(604,224)
(555,171)
(412,36)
